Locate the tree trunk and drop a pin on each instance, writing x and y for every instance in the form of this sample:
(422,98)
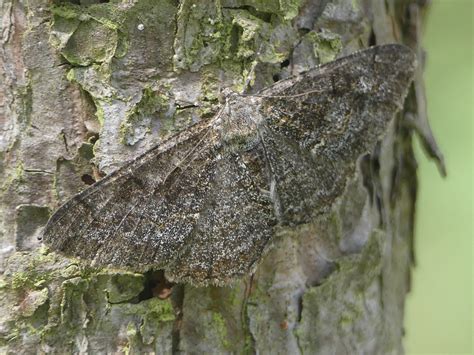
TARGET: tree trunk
(86,85)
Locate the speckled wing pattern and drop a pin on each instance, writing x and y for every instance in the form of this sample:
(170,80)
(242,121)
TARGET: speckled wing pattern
(203,205)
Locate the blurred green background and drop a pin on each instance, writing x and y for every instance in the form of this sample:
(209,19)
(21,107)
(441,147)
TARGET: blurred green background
(439,312)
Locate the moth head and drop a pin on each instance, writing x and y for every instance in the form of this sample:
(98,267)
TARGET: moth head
(226,94)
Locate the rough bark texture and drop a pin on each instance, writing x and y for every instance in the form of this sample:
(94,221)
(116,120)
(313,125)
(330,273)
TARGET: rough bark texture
(88,85)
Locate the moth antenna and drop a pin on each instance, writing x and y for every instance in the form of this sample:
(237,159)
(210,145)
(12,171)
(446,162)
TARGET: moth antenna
(251,73)
(192,150)
(285,96)
(249,78)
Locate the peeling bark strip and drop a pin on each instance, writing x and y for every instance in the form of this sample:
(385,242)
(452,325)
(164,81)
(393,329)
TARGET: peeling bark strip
(88,85)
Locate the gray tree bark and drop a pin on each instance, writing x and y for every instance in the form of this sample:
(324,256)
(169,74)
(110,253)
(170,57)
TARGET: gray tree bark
(86,85)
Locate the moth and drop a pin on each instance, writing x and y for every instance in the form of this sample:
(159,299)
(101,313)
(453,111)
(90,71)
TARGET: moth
(204,204)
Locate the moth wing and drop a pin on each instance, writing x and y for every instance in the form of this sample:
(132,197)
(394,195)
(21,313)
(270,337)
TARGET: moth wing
(188,206)
(234,226)
(120,220)
(317,125)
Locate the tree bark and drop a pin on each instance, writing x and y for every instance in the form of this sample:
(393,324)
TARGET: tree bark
(87,85)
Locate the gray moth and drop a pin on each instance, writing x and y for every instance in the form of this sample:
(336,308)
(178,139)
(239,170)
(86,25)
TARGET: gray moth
(204,204)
